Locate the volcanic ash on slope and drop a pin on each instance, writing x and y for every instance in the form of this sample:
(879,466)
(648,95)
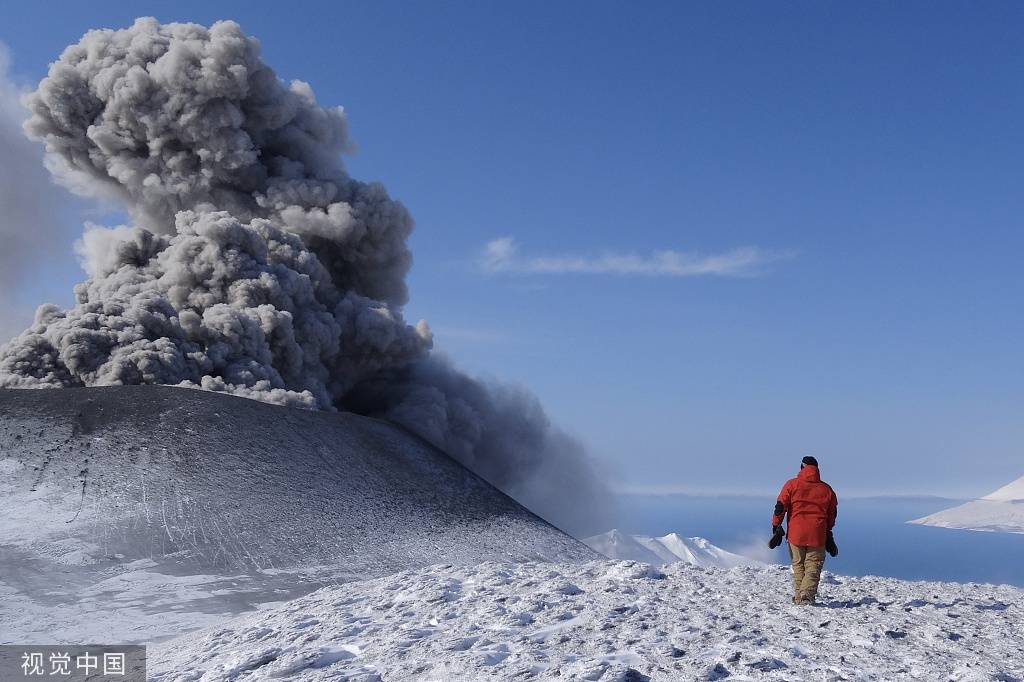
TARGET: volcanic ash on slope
(136,512)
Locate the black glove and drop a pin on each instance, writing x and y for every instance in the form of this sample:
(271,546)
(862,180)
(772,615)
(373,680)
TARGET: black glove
(830,545)
(777,534)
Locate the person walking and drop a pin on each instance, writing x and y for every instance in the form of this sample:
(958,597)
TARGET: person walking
(811,507)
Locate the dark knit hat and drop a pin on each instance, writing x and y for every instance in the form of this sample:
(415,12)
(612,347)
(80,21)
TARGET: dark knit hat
(810,461)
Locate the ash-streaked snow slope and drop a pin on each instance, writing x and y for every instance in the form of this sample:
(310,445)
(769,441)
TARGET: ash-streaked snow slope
(613,622)
(1000,512)
(667,549)
(136,512)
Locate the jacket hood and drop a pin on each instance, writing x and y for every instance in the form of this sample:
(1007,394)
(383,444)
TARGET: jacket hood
(809,473)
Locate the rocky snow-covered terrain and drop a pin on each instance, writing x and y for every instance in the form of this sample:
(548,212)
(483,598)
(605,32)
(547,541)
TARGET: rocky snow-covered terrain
(612,621)
(665,550)
(1001,512)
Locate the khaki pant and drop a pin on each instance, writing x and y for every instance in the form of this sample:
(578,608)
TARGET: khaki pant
(807,563)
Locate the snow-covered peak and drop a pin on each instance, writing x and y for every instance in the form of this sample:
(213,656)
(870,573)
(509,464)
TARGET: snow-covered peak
(1009,493)
(668,549)
(617,545)
(1001,511)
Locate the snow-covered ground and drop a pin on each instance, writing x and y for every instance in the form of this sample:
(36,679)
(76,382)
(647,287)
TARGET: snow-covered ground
(613,621)
(1001,511)
(666,549)
(137,514)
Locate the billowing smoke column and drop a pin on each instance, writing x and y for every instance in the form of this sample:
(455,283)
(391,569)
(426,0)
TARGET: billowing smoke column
(256,265)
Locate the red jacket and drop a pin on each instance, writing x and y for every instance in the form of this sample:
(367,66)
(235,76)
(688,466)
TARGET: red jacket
(811,505)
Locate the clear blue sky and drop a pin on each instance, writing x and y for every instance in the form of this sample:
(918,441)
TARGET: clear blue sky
(880,145)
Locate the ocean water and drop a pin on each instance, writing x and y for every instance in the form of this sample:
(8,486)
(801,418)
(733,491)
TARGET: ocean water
(872,534)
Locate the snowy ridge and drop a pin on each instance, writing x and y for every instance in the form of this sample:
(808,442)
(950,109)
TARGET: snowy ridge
(133,513)
(1001,511)
(613,622)
(667,549)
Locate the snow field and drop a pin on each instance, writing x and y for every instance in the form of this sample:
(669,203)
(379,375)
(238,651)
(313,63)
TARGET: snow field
(612,621)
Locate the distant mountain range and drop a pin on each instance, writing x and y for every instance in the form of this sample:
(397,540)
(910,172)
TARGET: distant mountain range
(999,512)
(668,549)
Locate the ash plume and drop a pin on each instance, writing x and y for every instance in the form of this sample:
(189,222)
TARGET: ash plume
(255,265)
